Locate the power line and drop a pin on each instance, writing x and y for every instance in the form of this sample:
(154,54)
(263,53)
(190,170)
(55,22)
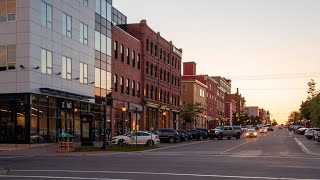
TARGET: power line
(277,76)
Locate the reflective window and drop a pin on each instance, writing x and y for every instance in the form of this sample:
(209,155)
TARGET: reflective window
(97,77)
(104,8)
(3,58)
(109,12)
(11,50)
(103,43)
(128,55)
(103,79)
(133,86)
(66,25)
(108,46)
(46,15)
(97,41)
(83,33)
(83,73)
(46,61)
(84,2)
(122,54)
(98,7)
(122,85)
(7,10)
(66,68)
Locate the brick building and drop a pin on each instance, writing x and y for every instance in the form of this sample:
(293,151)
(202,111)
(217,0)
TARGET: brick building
(161,77)
(126,73)
(230,108)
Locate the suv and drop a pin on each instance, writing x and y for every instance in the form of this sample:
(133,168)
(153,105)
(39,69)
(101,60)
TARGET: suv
(205,131)
(168,135)
(227,131)
(198,134)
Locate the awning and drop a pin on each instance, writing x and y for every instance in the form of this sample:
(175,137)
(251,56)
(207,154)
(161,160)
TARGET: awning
(64,93)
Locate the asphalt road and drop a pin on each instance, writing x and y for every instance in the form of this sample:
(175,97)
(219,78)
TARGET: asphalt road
(270,156)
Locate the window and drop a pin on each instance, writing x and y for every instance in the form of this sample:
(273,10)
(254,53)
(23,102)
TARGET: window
(115,81)
(133,59)
(97,77)
(164,56)
(172,80)
(156,50)
(138,90)
(168,98)
(46,15)
(138,61)
(121,51)
(97,41)
(128,55)
(7,57)
(156,71)
(172,61)
(178,65)
(156,95)
(133,86)
(184,88)
(128,86)
(104,79)
(7,10)
(160,53)
(115,48)
(66,68)
(121,85)
(66,25)
(161,95)
(46,61)
(151,48)
(83,73)
(151,69)
(147,45)
(84,2)
(103,43)
(160,73)
(168,79)
(147,91)
(147,67)
(103,8)
(98,7)
(83,33)
(151,92)
(164,97)
(164,75)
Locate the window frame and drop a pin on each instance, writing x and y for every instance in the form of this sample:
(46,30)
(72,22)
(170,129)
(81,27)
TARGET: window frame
(66,24)
(84,34)
(48,69)
(67,72)
(48,17)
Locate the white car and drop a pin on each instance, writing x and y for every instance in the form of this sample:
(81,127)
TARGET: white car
(139,137)
(311,133)
(264,130)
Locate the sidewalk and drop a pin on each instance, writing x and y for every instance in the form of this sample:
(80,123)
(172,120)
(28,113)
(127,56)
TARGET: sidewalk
(312,146)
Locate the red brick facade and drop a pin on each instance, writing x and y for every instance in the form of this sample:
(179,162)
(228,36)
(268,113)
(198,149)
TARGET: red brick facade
(161,77)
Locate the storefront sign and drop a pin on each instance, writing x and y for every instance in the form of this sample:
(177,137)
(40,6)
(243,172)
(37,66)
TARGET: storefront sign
(66,105)
(176,51)
(119,104)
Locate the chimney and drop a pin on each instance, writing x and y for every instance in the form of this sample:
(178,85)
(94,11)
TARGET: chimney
(189,68)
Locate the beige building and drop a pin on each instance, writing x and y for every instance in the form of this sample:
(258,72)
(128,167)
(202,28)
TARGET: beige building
(193,91)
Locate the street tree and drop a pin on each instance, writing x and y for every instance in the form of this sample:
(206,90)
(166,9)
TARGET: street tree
(191,112)
(294,117)
(312,92)
(274,122)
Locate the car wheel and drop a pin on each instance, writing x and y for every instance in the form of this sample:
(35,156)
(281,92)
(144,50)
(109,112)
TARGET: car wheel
(229,137)
(150,143)
(201,138)
(220,136)
(171,140)
(238,136)
(121,142)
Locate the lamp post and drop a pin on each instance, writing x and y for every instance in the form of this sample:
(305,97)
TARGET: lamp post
(104,125)
(163,121)
(124,109)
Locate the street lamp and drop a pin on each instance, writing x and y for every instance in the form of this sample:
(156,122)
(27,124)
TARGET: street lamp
(163,121)
(104,125)
(124,109)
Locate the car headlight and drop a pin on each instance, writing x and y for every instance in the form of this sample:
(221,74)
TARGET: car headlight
(247,134)
(255,134)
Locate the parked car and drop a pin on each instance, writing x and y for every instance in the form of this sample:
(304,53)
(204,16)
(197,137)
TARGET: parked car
(244,129)
(301,131)
(206,131)
(139,137)
(184,135)
(270,129)
(168,135)
(228,132)
(311,133)
(252,133)
(264,130)
(198,134)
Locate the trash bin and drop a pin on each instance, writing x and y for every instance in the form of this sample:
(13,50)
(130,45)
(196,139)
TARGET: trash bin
(65,143)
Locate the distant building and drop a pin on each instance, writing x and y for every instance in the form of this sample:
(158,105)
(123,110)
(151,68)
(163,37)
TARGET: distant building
(252,111)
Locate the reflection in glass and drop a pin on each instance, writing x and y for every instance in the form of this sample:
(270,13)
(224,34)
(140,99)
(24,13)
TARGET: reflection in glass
(11,8)
(3,58)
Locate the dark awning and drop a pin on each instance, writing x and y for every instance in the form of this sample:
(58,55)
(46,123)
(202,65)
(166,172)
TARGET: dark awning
(65,93)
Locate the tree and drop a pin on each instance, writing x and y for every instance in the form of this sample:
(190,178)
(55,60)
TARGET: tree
(294,117)
(315,110)
(274,122)
(305,109)
(312,89)
(240,118)
(192,112)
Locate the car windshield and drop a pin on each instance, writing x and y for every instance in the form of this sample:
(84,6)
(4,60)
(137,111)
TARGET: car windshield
(219,127)
(252,130)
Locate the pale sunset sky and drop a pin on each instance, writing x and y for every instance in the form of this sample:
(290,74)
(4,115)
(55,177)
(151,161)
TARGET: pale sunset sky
(270,49)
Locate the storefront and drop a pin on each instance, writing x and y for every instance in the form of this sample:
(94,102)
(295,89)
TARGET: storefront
(33,118)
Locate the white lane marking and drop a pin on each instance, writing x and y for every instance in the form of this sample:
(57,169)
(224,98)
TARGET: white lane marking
(290,133)
(12,157)
(56,177)
(304,149)
(175,146)
(238,146)
(166,174)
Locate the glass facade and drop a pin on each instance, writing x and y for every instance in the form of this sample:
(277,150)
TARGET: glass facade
(31,118)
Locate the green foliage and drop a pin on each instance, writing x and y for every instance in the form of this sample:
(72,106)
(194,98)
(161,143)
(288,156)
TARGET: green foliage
(315,110)
(294,117)
(274,122)
(191,112)
(241,118)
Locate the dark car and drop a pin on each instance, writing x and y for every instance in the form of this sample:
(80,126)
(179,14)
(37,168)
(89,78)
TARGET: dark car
(184,135)
(167,135)
(270,129)
(206,131)
(197,134)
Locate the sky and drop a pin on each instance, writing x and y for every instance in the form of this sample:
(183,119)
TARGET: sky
(270,49)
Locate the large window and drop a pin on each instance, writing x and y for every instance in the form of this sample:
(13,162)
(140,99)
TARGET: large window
(66,68)
(7,57)
(84,2)
(46,61)
(104,9)
(46,15)
(83,73)
(83,33)
(7,10)
(66,25)
(115,81)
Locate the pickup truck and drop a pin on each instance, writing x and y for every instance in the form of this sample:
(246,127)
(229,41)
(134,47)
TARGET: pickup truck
(227,131)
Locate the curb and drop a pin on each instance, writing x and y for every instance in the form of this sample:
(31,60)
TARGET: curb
(304,149)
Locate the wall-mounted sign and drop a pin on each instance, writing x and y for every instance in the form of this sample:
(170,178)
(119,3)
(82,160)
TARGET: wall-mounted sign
(176,51)
(66,105)
(119,104)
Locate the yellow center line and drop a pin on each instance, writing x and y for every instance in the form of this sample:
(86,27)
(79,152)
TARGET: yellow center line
(238,146)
